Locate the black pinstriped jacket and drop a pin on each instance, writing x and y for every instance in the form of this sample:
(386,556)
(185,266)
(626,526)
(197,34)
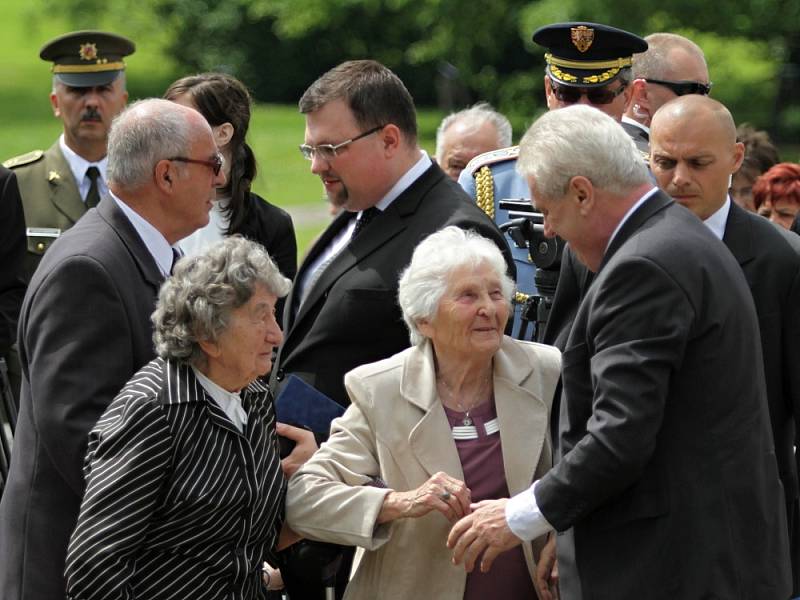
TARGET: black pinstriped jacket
(178,503)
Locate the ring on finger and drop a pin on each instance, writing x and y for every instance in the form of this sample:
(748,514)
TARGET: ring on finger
(445,495)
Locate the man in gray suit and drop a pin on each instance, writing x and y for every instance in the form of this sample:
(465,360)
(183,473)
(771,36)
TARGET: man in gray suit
(85,327)
(667,484)
(694,154)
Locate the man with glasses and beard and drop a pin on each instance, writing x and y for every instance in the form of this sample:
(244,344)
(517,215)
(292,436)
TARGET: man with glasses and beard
(671,66)
(587,63)
(361,141)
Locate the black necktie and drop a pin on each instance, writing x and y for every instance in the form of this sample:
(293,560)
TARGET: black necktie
(364,220)
(93,197)
(176,256)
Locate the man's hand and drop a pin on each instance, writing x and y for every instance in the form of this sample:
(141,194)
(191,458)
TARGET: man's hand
(545,580)
(485,531)
(305,446)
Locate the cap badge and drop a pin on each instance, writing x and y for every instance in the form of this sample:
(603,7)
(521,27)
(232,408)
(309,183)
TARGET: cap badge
(89,51)
(582,37)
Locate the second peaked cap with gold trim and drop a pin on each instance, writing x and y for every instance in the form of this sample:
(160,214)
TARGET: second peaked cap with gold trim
(587,54)
(87,58)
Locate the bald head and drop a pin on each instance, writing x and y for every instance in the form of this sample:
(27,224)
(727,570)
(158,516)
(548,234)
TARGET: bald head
(693,152)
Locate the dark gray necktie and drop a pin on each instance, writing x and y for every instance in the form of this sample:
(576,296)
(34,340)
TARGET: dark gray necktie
(93,197)
(364,220)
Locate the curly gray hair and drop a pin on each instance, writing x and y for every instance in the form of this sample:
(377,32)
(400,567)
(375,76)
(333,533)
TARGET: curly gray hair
(425,280)
(196,302)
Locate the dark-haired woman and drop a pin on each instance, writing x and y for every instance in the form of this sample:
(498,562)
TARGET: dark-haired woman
(225,103)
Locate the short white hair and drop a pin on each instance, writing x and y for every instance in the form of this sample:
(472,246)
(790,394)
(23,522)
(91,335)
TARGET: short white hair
(475,116)
(655,61)
(427,277)
(144,133)
(580,140)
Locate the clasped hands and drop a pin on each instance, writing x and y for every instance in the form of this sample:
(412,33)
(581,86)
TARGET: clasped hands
(479,529)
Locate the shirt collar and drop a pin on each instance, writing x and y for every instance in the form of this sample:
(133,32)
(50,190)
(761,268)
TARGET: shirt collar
(229,402)
(628,214)
(716,222)
(630,121)
(409,177)
(152,238)
(78,164)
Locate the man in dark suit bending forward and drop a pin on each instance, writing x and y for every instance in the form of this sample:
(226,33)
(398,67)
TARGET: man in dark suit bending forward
(667,483)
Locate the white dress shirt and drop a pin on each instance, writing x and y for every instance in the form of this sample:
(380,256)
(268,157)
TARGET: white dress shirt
(78,165)
(155,243)
(716,222)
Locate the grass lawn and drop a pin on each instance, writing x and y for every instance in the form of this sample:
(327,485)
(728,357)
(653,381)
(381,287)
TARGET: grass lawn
(27,122)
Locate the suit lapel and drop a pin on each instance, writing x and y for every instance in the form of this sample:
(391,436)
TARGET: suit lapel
(738,236)
(522,429)
(116,219)
(64,192)
(430,439)
(652,205)
(384,227)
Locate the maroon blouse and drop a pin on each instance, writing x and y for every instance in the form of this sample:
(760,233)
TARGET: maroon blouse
(482,462)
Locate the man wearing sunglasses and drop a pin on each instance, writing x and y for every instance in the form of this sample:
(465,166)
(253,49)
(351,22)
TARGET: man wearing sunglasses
(671,66)
(586,63)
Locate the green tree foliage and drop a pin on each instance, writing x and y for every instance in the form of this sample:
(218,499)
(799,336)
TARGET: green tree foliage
(279,46)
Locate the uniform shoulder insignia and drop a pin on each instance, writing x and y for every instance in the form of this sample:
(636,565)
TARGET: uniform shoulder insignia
(23,159)
(491,158)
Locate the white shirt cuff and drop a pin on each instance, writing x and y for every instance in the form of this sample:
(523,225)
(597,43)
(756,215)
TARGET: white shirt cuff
(523,516)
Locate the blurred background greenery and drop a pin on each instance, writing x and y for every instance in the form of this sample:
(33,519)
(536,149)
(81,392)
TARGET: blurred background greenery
(450,53)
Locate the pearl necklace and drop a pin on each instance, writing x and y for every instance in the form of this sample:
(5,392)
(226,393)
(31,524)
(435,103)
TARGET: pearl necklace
(467,420)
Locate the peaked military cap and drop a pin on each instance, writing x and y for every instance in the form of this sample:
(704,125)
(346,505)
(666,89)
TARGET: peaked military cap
(587,54)
(87,58)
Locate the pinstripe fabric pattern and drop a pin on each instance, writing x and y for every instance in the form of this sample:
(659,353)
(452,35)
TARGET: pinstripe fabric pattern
(178,503)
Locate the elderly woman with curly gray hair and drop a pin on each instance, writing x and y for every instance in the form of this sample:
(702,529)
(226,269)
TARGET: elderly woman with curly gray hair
(184,495)
(460,417)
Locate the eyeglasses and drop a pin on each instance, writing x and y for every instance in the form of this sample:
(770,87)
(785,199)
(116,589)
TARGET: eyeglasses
(681,88)
(328,152)
(215,164)
(572,95)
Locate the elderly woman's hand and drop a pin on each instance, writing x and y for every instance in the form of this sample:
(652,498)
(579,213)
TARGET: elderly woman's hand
(448,495)
(305,446)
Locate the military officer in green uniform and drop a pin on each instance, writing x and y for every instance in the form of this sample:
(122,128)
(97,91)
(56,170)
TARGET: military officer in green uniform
(586,63)
(60,184)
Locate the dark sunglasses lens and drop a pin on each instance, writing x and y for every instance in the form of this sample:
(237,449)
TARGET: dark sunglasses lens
(573,95)
(567,94)
(603,96)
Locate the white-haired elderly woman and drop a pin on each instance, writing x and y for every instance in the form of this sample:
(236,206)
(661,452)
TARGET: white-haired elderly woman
(185,492)
(459,417)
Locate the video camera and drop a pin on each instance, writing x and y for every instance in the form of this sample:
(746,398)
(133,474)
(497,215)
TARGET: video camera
(526,229)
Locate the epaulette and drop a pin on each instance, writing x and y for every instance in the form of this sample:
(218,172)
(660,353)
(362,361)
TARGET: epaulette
(490,158)
(23,159)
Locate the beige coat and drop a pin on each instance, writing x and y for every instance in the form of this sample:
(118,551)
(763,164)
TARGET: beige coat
(396,429)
